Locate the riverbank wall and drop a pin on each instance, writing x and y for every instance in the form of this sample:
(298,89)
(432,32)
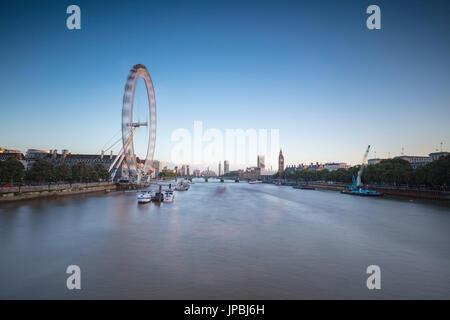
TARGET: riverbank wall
(34,192)
(333,187)
(391,191)
(422,194)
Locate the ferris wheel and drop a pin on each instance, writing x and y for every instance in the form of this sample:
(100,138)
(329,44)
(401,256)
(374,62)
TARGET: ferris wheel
(135,171)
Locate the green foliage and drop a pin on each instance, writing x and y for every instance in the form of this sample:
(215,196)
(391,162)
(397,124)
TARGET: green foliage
(167,174)
(391,171)
(42,171)
(79,171)
(92,174)
(83,172)
(63,172)
(437,173)
(28,177)
(101,171)
(398,171)
(11,171)
(231,174)
(341,175)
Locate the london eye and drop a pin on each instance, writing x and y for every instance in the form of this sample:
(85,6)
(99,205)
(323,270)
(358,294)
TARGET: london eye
(135,171)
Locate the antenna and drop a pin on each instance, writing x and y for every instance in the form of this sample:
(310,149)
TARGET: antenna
(403,149)
(441,146)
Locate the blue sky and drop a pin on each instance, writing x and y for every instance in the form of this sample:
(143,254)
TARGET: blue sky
(311,69)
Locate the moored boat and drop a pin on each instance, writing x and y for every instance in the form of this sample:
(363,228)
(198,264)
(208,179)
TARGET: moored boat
(169,196)
(183,186)
(362,192)
(144,197)
(357,188)
(158,196)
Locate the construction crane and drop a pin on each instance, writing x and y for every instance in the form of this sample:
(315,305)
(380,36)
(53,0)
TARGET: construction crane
(361,169)
(357,188)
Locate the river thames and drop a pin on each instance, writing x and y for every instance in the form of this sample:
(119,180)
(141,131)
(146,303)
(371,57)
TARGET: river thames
(225,241)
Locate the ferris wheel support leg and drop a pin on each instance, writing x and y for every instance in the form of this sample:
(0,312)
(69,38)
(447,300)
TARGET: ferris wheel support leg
(118,161)
(113,175)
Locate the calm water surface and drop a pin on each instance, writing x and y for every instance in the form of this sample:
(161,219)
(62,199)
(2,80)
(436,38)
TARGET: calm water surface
(249,241)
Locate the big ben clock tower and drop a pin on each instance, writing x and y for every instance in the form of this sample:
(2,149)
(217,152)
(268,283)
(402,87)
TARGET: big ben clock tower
(281,162)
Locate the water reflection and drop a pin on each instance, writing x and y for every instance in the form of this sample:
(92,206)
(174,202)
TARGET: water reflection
(225,240)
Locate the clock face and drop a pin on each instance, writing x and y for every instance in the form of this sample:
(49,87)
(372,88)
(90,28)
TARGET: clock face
(224,149)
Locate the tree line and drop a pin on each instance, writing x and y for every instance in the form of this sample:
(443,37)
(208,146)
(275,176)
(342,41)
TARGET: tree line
(163,174)
(43,171)
(391,172)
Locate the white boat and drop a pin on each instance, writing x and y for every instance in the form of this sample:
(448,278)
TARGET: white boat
(255,182)
(144,197)
(182,187)
(169,196)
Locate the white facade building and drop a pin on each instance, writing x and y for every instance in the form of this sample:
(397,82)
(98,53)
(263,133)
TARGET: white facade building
(335,166)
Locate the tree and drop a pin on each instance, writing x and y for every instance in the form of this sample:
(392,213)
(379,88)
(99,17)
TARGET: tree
(323,174)
(63,172)
(43,171)
(12,170)
(102,172)
(167,174)
(79,171)
(391,171)
(438,172)
(28,176)
(92,175)
(83,172)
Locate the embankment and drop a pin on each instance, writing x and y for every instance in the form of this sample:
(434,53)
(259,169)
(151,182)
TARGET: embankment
(334,187)
(34,192)
(391,191)
(411,193)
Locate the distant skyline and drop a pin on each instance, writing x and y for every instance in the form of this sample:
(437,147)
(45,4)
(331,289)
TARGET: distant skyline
(310,69)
